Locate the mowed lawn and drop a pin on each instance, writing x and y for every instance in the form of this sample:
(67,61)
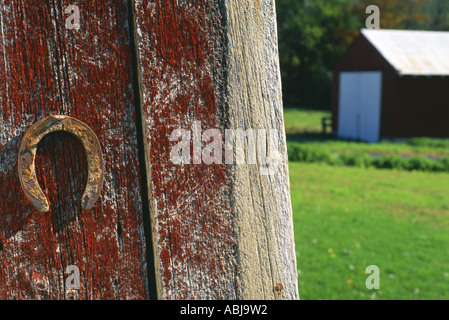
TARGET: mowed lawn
(346,219)
(303,120)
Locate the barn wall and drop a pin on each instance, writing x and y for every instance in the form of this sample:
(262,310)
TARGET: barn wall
(389,103)
(48,69)
(422,107)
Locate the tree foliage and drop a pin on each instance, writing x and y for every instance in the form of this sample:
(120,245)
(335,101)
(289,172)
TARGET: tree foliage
(394,14)
(314,34)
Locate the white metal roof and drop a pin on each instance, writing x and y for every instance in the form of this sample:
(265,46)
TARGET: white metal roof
(412,52)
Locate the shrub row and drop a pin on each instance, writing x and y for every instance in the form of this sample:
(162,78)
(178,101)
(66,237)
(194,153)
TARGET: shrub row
(312,155)
(429,142)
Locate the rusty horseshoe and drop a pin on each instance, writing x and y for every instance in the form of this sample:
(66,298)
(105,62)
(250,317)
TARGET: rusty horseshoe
(27,154)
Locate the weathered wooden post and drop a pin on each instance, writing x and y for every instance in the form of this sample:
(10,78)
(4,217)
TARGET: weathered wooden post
(185,100)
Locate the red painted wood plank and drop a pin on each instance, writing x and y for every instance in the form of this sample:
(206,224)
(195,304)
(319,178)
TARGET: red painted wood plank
(181,57)
(87,74)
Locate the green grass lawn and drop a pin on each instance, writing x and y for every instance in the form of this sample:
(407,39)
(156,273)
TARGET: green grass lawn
(346,219)
(303,120)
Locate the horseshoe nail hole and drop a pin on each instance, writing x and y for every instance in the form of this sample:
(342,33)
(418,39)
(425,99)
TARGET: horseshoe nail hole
(41,286)
(278,289)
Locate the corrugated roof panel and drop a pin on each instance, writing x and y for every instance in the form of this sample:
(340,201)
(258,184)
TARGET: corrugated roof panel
(412,52)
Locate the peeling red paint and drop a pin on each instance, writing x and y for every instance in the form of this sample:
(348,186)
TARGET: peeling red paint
(87,74)
(45,69)
(181,57)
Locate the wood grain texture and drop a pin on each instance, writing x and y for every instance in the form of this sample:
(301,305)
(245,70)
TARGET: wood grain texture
(47,69)
(221,231)
(261,203)
(181,52)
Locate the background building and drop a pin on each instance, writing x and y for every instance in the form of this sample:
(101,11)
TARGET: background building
(392,84)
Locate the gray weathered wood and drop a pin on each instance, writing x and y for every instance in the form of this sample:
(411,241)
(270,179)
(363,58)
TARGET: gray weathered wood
(261,202)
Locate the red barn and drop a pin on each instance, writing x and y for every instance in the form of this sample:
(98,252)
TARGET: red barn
(392,84)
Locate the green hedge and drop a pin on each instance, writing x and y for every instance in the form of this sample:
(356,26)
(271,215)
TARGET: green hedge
(300,153)
(429,142)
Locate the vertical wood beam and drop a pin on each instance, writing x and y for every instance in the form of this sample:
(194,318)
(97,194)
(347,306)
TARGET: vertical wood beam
(220,231)
(263,213)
